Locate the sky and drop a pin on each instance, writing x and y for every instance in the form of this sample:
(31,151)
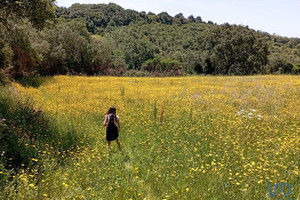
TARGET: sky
(280,17)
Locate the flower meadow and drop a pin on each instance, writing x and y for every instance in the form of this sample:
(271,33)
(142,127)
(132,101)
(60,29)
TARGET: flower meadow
(181,138)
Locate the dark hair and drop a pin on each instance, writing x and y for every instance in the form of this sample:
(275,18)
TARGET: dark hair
(112,110)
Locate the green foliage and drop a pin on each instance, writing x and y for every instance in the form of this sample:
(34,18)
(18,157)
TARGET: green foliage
(284,55)
(5,54)
(136,52)
(106,39)
(235,50)
(164,18)
(16,51)
(280,65)
(100,52)
(37,11)
(25,132)
(172,42)
(296,68)
(24,59)
(4,177)
(297,50)
(198,47)
(99,16)
(31,81)
(158,64)
(71,49)
(136,73)
(22,126)
(24,123)
(104,17)
(4,79)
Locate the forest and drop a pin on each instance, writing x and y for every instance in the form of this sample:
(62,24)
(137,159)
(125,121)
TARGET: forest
(39,38)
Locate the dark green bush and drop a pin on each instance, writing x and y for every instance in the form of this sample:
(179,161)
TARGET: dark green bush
(136,73)
(159,64)
(32,81)
(296,68)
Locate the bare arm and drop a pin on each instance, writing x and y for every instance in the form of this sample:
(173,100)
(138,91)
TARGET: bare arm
(118,122)
(105,121)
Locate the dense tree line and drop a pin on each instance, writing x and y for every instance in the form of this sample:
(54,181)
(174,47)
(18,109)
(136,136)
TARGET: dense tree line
(102,17)
(39,38)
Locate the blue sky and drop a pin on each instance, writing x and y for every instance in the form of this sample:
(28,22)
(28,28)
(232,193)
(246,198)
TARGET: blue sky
(281,17)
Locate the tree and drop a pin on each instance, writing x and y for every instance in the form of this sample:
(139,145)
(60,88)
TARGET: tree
(17,55)
(37,11)
(152,17)
(236,49)
(198,19)
(280,65)
(69,49)
(165,18)
(192,18)
(180,19)
(24,57)
(136,52)
(100,50)
(297,50)
(6,54)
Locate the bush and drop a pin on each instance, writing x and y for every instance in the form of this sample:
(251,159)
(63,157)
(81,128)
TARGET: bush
(3,78)
(159,64)
(136,73)
(296,68)
(33,81)
(279,65)
(6,54)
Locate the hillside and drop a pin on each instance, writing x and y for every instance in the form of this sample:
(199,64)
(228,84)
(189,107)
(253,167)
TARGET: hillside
(177,37)
(105,39)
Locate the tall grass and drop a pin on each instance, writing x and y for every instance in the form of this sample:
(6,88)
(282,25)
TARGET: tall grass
(217,138)
(28,138)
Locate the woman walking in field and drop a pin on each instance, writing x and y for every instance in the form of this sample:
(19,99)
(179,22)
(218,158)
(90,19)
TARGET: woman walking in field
(112,124)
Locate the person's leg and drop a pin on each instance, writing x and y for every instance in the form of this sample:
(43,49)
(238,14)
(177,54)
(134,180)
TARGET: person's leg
(118,142)
(108,144)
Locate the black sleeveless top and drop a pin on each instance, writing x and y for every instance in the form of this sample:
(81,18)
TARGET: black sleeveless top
(112,129)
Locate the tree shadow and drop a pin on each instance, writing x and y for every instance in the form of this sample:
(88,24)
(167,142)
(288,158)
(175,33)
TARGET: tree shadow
(34,81)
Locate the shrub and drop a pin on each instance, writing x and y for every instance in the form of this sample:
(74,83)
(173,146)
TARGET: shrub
(33,81)
(296,68)
(136,73)
(3,78)
(159,64)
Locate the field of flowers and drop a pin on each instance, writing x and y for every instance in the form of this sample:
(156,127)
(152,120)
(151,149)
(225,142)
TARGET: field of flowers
(181,138)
